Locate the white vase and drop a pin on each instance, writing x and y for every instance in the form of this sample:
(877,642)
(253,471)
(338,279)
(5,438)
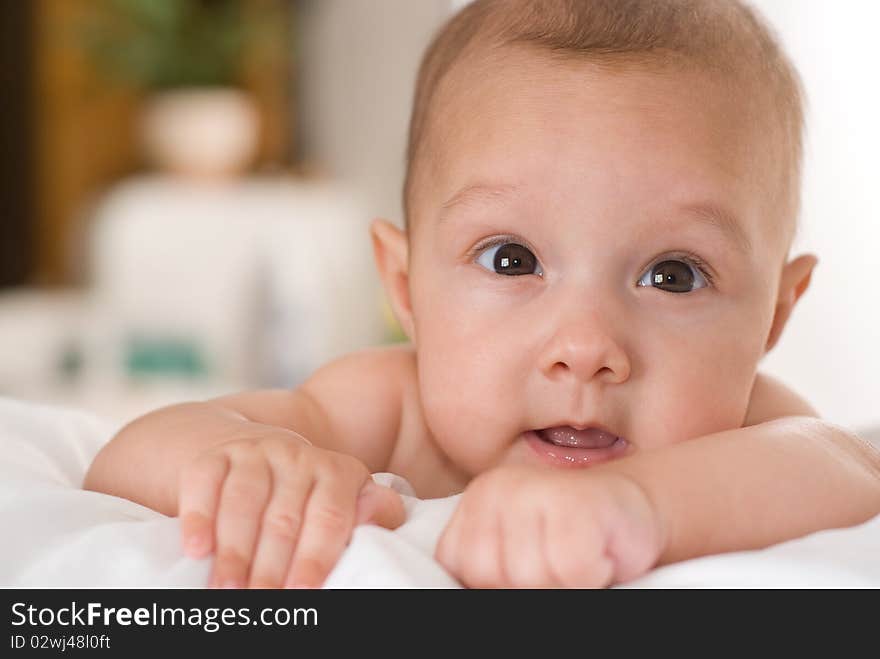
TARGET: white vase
(210,132)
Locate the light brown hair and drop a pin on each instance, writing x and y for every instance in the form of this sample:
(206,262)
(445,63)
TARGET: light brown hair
(723,37)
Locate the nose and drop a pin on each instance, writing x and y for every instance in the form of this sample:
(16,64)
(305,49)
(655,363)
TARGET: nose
(585,348)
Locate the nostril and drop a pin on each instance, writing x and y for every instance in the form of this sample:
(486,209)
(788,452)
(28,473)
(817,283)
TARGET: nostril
(585,358)
(561,367)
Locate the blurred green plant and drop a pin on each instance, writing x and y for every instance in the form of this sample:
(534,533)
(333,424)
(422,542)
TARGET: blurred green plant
(163,44)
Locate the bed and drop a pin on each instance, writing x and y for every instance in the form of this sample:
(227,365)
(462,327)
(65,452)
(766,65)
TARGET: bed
(58,535)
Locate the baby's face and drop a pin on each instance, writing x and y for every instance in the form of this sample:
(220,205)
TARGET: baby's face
(592,250)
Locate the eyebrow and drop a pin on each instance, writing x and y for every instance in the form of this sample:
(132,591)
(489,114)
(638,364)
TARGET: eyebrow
(707,213)
(717,217)
(477,194)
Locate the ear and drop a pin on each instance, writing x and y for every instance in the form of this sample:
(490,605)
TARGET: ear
(794,281)
(391,252)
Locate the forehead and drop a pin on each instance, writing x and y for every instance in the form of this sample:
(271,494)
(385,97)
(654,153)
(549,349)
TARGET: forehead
(566,129)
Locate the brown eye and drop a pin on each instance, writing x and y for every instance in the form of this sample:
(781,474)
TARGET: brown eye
(509,259)
(673,277)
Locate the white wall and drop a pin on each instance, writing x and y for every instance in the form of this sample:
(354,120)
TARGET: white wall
(358,70)
(361,59)
(830,352)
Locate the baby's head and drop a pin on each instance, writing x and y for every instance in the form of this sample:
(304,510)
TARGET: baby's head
(600,200)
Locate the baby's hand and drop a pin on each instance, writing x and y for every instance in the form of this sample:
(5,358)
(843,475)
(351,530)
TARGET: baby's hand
(539,528)
(277,510)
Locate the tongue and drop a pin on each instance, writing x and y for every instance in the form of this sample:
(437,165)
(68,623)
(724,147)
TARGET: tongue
(568,436)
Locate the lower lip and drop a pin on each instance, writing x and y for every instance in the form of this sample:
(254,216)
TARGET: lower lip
(570,456)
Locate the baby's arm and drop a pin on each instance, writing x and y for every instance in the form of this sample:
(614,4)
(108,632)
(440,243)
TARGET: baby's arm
(239,469)
(784,474)
(756,486)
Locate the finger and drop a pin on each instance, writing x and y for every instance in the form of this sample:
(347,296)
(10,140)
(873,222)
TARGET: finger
(379,505)
(198,498)
(327,526)
(588,567)
(523,552)
(469,549)
(482,566)
(280,528)
(242,501)
(445,551)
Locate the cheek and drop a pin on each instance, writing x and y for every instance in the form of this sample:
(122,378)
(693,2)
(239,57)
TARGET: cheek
(470,375)
(699,382)
(469,339)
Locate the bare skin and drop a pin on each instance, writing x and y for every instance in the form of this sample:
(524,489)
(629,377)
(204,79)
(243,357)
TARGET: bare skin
(599,420)
(257,525)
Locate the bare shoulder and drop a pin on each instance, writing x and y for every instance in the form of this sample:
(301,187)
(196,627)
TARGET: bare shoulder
(772,399)
(363,395)
(382,367)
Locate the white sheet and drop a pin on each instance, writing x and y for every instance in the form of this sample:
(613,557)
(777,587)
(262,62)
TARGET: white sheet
(57,535)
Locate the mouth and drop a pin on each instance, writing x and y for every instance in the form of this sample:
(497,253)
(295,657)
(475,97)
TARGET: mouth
(568,446)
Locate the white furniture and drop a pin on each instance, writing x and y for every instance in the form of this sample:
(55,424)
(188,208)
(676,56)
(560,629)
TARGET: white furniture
(261,279)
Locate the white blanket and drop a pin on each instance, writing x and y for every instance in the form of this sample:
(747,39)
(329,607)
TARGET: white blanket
(57,535)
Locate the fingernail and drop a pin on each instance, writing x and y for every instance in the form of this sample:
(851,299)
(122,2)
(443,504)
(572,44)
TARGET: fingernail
(195,545)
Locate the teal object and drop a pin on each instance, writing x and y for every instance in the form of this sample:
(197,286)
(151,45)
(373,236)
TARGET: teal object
(164,356)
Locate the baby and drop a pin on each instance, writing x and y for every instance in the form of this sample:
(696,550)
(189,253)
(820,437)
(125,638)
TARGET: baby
(600,201)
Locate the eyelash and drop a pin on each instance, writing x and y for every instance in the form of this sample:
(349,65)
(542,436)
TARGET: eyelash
(691,259)
(688,257)
(497,240)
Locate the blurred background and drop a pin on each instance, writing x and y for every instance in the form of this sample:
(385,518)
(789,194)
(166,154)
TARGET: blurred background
(186,188)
